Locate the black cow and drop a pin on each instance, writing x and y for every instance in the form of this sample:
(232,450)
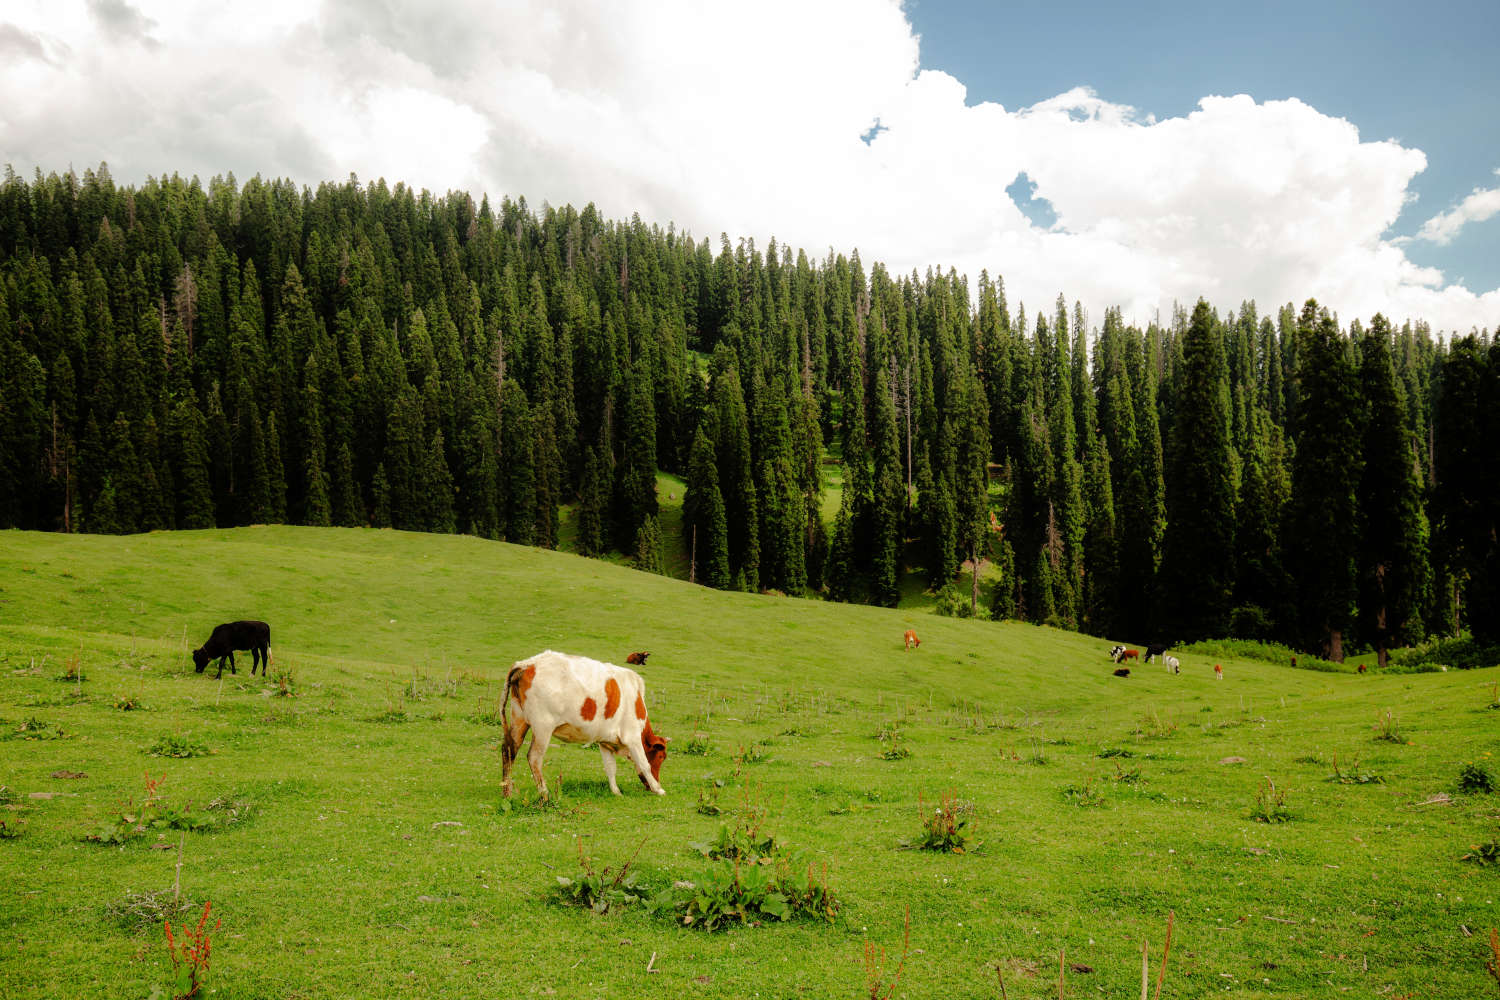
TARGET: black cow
(1122,672)
(1153,650)
(254,636)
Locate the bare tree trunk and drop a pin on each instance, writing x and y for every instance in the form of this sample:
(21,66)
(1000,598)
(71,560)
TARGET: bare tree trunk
(1336,645)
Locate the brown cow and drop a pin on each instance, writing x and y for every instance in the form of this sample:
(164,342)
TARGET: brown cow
(637,659)
(911,638)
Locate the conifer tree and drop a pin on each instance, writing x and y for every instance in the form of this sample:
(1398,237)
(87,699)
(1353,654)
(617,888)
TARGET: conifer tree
(518,464)
(1322,542)
(705,526)
(1393,558)
(1198,564)
(195,500)
(647,550)
(380,489)
(348,509)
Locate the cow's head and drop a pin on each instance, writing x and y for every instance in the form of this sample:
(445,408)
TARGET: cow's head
(655,746)
(200,659)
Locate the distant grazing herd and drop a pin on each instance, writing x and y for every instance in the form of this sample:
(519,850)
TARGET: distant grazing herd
(579,700)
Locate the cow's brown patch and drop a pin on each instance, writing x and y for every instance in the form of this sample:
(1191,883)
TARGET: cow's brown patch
(611,698)
(524,684)
(640,707)
(589,709)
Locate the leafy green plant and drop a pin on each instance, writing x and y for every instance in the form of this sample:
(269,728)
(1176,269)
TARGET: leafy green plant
(1485,854)
(33,728)
(708,799)
(1085,796)
(1270,804)
(180,745)
(1131,776)
(129,820)
(604,891)
(779,886)
(189,951)
(1475,779)
(129,703)
(11,828)
(1350,774)
(1109,752)
(286,682)
(1388,728)
(943,829)
(698,745)
(896,750)
(1154,727)
(753,753)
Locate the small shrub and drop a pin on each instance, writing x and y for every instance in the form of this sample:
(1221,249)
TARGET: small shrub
(698,745)
(1462,653)
(1109,752)
(943,827)
(129,703)
(1270,804)
(1130,777)
(1388,728)
(708,799)
(1475,779)
(777,887)
(1350,774)
(897,750)
(72,671)
(179,745)
(752,754)
(190,951)
(1085,796)
(956,601)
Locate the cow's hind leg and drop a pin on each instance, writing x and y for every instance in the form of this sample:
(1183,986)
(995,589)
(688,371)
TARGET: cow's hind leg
(510,747)
(534,757)
(609,767)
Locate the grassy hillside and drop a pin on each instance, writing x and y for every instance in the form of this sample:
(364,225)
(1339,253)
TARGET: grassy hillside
(358,846)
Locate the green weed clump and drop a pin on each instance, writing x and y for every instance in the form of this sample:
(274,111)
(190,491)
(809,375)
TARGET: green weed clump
(180,745)
(1485,854)
(1350,774)
(286,682)
(698,745)
(944,828)
(1388,728)
(1153,726)
(33,728)
(1086,795)
(1475,779)
(604,891)
(1270,804)
(11,828)
(72,671)
(129,820)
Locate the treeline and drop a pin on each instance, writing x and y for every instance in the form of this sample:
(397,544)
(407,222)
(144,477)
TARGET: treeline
(175,356)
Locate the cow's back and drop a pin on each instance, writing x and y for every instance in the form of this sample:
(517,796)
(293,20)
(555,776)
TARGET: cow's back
(583,699)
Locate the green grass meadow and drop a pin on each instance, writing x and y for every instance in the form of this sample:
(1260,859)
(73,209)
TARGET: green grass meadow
(358,845)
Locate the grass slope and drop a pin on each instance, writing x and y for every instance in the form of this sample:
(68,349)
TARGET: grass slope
(375,861)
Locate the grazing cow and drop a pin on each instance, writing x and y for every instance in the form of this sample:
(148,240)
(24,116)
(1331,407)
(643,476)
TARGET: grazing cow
(1128,654)
(579,700)
(1115,651)
(1294,661)
(1122,671)
(637,659)
(911,638)
(1153,649)
(226,638)
(1173,667)
(1361,668)
(1218,672)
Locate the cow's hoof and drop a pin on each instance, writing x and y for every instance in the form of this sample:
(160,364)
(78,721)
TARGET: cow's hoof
(661,791)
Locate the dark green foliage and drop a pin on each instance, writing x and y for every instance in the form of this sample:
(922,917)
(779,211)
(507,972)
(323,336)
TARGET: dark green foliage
(1198,561)
(175,356)
(1323,528)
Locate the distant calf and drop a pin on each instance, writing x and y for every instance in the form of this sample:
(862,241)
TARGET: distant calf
(1115,651)
(637,659)
(1218,672)
(1128,654)
(1172,665)
(911,638)
(1122,671)
(226,638)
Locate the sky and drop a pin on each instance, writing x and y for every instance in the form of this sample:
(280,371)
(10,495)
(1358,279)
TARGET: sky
(1133,155)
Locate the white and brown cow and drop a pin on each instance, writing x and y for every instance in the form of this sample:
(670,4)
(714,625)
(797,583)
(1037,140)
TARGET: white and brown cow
(579,700)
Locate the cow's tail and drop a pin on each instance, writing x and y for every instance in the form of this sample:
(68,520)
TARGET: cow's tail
(270,656)
(512,681)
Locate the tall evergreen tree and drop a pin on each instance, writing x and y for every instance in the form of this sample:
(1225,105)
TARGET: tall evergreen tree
(1393,558)
(1323,543)
(1198,562)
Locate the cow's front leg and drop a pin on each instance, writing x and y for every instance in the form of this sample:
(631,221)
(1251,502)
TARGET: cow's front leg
(643,767)
(232,668)
(609,767)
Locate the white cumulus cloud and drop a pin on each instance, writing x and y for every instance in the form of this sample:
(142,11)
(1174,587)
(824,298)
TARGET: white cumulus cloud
(1481,204)
(747,119)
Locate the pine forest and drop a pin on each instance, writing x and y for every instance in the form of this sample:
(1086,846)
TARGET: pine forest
(176,356)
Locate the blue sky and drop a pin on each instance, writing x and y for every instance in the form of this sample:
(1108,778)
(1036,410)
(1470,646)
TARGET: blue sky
(1098,151)
(1426,74)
